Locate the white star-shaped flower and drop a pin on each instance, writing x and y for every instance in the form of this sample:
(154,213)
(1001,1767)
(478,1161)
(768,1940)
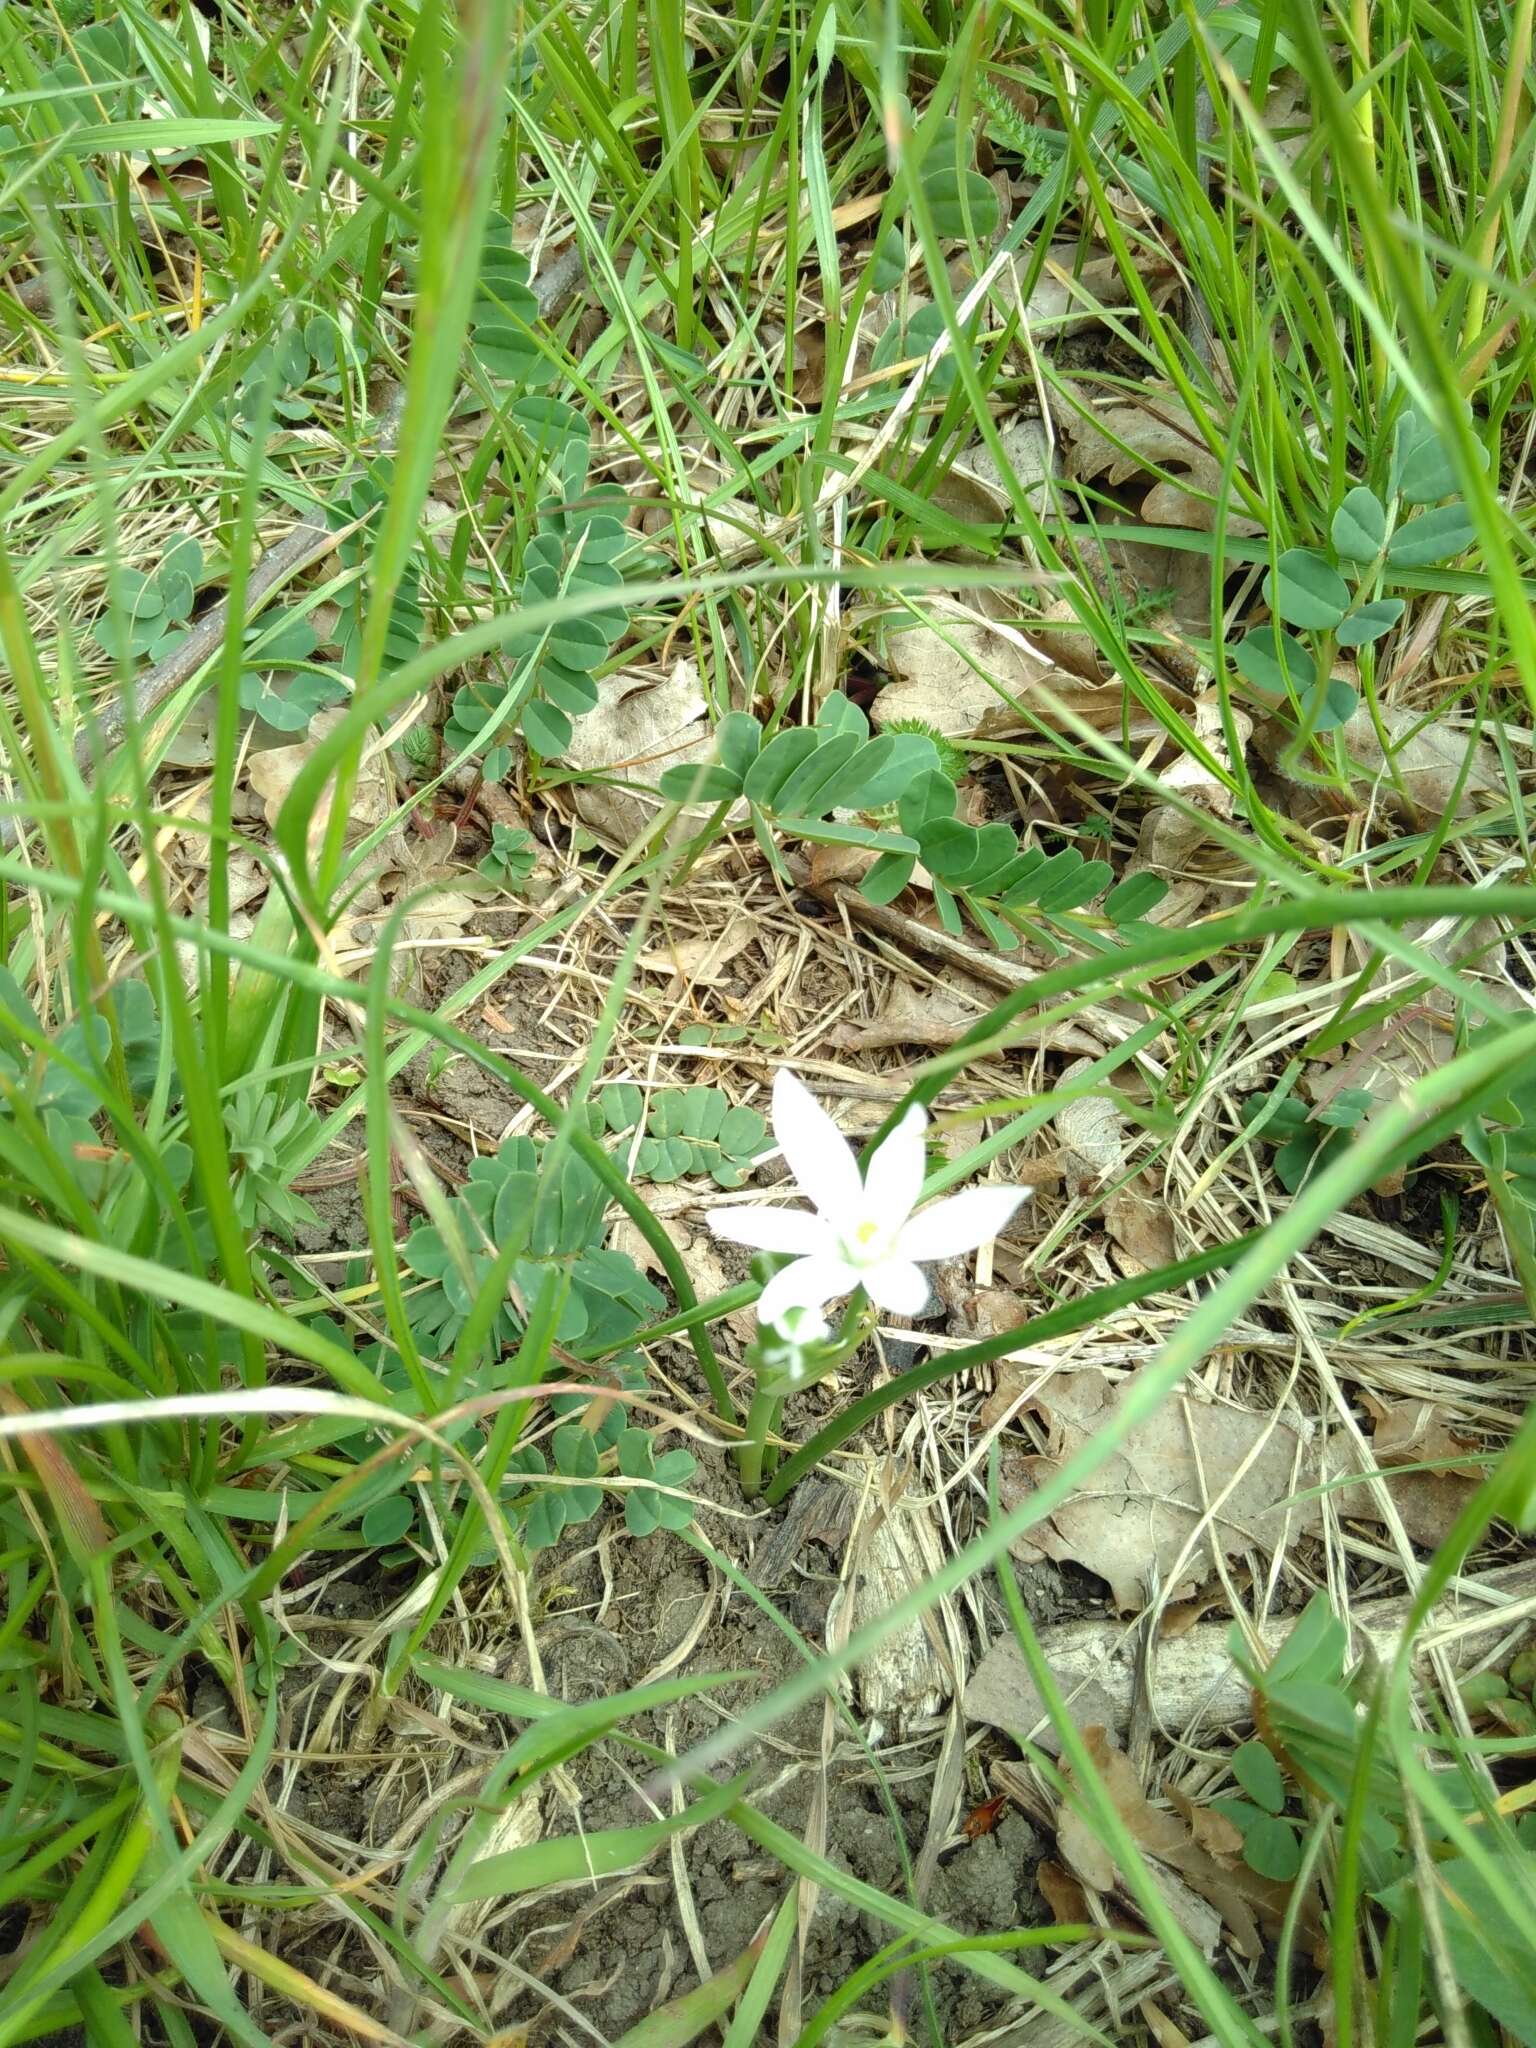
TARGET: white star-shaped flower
(862,1231)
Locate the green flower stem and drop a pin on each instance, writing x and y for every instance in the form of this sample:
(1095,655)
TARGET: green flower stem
(760,1418)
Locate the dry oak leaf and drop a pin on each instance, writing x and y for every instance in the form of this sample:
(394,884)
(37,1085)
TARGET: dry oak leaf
(273,771)
(1427,758)
(1136,1217)
(974,488)
(1138,1513)
(702,960)
(642,724)
(1155,432)
(952,668)
(1414,1433)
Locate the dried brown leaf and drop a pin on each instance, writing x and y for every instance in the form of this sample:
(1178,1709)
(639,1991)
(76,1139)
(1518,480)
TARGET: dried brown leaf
(951,672)
(1148,1497)
(1092,1133)
(273,771)
(1428,758)
(1153,432)
(1162,1836)
(913,1016)
(1063,1895)
(1136,1217)
(1082,1851)
(702,960)
(643,724)
(974,487)
(1413,1433)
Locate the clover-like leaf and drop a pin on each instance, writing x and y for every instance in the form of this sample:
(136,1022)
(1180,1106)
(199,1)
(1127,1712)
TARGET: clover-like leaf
(1260,1776)
(1434,536)
(547,730)
(889,266)
(388,1520)
(960,200)
(1306,590)
(1360,525)
(576,1457)
(1272,1848)
(1275,662)
(1423,469)
(908,344)
(1368,622)
(1339,705)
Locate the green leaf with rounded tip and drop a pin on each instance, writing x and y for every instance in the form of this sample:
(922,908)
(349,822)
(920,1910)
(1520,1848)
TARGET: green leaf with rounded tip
(742,1132)
(887,878)
(806,791)
(1305,590)
(738,737)
(889,765)
(1134,897)
(1271,1849)
(1074,890)
(1260,1776)
(828,832)
(701,782)
(1275,662)
(387,1520)
(546,729)
(1338,707)
(622,1103)
(1360,525)
(1433,536)
(703,1112)
(1368,622)
(948,847)
(996,848)
(910,344)
(849,789)
(890,260)
(784,753)
(1423,470)
(839,714)
(953,194)
(930,796)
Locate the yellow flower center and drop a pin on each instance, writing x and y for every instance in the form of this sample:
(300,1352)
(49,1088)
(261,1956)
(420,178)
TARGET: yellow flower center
(866,1233)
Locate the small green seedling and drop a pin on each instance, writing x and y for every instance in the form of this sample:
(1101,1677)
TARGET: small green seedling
(149,613)
(688,1131)
(1304,1139)
(1337,595)
(267,1143)
(511,858)
(307,366)
(1271,1842)
(646,1510)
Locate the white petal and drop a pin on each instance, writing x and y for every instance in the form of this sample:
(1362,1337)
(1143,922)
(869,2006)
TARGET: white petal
(898,1286)
(804,1326)
(894,1179)
(808,1283)
(769,1230)
(818,1154)
(959,1223)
